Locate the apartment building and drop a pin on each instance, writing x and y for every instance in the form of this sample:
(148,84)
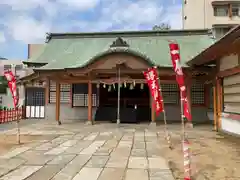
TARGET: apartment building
(20,70)
(218,15)
(17,67)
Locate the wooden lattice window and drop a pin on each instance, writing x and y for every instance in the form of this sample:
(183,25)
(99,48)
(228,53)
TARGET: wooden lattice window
(80,95)
(198,94)
(64,92)
(170,93)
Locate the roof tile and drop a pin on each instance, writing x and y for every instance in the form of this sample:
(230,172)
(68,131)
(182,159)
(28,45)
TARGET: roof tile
(62,53)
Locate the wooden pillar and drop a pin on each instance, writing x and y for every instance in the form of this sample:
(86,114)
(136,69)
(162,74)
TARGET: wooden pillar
(58,103)
(215,113)
(47,86)
(219,102)
(153,113)
(90,102)
(71,95)
(230,10)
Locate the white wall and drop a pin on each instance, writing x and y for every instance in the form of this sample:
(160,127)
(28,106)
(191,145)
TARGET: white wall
(231,96)
(200,15)
(7,98)
(230,125)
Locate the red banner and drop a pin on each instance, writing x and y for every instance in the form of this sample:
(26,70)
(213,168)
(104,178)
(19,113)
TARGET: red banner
(12,84)
(151,76)
(175,56)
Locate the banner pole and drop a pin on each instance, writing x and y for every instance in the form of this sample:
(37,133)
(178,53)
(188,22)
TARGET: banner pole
(16,107)
(167,135)
(185,147)
(18,128)
(182,117)
(118,100)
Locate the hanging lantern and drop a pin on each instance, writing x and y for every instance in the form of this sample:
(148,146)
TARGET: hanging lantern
(125,84)
(109,88)
(142,86)
(114,87)
(134,83)
(98,85)
(120,85)
(104,85)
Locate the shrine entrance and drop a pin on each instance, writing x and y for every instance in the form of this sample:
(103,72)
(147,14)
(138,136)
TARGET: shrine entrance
(134,103)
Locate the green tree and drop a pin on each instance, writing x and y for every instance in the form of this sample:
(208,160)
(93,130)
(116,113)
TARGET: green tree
(3,85)
(162,26)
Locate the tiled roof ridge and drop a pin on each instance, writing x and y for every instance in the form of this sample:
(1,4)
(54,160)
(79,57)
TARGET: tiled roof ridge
(129,33)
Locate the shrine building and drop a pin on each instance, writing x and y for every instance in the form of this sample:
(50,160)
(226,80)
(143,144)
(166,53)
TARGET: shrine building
(71,67)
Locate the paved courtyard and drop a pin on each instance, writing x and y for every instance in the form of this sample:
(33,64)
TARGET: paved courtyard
(75,151)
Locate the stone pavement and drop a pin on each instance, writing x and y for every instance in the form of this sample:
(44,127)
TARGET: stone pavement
(79,152)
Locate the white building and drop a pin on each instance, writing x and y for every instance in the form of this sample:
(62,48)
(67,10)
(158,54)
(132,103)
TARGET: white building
(219,15)
(17,67)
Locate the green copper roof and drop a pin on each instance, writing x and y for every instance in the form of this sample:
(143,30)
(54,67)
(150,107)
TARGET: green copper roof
(77,50)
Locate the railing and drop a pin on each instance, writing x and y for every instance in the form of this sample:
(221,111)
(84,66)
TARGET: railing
(9,115)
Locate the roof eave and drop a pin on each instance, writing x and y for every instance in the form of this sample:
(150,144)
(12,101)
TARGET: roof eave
(202,57)
(47,70)
(34,63)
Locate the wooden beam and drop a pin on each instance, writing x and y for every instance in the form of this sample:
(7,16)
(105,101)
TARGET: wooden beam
(205,78)
(69,81)
(205,69)
(229,72)
(170,80)
(58,103)
(78,72)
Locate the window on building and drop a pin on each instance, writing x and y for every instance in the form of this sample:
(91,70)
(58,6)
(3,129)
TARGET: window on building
(235,10)
(170,93)
(198,94)
(19,67)
(3,85)
(221,31)
(80,95)
(65,90)
(221,10)
(7,67)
